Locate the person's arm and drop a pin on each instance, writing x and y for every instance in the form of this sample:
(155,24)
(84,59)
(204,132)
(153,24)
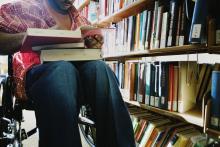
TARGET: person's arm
(10,43)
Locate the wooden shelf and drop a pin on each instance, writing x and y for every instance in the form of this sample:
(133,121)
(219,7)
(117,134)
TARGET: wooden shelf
(185,49)
(214,49)
(132,9)
(213,133)
(193,116)
(176,50)
(128,55)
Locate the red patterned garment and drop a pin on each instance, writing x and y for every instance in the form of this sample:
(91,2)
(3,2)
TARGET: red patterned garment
(16,17)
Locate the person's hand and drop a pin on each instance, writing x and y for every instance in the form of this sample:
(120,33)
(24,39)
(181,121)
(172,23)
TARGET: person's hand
(94,41)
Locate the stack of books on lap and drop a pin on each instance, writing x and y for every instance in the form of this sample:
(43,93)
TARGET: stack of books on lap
(59,45)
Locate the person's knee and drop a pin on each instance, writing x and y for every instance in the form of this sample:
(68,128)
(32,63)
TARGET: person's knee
(96,70)
(97,65)
(63,67)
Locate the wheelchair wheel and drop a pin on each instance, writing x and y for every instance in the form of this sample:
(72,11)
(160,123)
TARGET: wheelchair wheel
(87,125)
(10,127)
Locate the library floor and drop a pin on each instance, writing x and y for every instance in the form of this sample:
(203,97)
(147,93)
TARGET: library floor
(29,124)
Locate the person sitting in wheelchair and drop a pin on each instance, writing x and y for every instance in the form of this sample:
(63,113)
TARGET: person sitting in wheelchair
(58,89)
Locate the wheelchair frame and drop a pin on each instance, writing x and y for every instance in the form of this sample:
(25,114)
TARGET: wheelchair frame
(11,117)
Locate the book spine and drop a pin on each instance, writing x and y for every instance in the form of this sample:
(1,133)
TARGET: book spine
(171,79)
(163,39)
(144,29)
(147,83)
(141,82)
(132,81)
(160,85)
(172,24)
(156,90)
(137,32)
(154,25)
(183,27)
(136,81)
(133,34)
(164,85)
(140,47)
(152,83)
(197,31)
(215,97)
(218,35)
(178,25)
(175,88)
(217,4)
(130,32)
(149,25)
(158,27)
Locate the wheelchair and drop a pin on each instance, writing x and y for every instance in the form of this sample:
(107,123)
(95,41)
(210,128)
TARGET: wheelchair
(11,116)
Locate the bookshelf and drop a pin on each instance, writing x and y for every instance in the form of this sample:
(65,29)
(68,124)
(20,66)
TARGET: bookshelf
(193,116)
(214,49)
(185,49)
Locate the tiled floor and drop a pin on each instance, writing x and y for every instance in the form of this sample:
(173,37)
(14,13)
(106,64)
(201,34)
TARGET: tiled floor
(29,124)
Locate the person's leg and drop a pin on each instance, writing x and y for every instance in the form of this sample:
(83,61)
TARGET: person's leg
(113,124)
(54,88)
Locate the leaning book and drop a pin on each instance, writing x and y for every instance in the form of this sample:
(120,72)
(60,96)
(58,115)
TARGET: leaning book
(75,54)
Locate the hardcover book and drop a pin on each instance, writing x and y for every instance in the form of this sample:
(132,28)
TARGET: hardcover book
(171,40)
(59,46)
(148,83)
(199,20)
(70,54)
(37,37)
(164,85)
(215,97)
(187,86)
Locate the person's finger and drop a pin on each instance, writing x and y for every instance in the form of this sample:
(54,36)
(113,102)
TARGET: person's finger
(99,38)
(95,41)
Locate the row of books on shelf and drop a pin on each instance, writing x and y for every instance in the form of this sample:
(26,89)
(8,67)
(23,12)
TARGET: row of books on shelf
(173,86)
(151,129)
(164,26)
(169,23)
